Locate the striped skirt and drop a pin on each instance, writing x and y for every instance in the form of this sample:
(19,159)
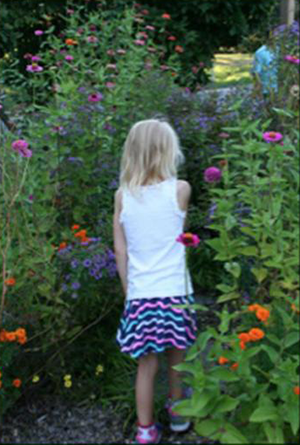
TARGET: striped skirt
(155,324)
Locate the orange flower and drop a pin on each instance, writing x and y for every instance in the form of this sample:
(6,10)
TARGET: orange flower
(0,384)
(10,281)
(254,307)
(71,42)
(62,245)
(85,240)
(179,49)
(244,337)
(297,390)
(294,308)
(75,227)
(166,16)
(262,314)
(242,345)
(21,336)
(80,234)
(222,360)
(234,366)
(256,334)
(17,383)
(11,336)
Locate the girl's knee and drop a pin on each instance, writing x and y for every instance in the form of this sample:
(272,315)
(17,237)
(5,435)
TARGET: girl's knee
(149,363)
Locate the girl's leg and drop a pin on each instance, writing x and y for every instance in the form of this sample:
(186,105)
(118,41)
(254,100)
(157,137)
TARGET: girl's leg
(174,357)
(144,388)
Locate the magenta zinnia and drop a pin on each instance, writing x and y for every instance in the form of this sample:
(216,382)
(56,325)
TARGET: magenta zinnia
(21,146)
(34,68)
(188,239)
(272,136)
(95,97)
(212,174)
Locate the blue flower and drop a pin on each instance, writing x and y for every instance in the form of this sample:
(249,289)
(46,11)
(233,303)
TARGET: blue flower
(74,264)
(87,262)
(75,285)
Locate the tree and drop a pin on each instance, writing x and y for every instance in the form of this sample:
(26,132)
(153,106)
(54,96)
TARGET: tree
(287,11)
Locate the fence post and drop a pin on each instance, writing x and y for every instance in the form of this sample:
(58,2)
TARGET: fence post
(287,12)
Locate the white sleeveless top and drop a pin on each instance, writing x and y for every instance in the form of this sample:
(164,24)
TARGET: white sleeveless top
(152,221)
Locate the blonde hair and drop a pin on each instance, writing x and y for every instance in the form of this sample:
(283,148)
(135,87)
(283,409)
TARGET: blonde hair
(151,154)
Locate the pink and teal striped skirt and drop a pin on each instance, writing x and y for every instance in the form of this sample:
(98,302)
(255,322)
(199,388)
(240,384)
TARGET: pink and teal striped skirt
(155,324)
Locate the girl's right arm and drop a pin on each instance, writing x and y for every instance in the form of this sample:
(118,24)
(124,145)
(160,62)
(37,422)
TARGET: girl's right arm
(184,191)
(120,245)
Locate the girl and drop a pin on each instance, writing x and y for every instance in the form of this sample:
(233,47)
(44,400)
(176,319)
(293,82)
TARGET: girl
(150,209)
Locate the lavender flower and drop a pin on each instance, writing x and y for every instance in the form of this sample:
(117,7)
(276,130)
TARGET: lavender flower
(87,262)
(74,264)
(75,285)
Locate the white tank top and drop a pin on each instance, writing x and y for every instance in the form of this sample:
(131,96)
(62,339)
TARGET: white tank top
(152,221)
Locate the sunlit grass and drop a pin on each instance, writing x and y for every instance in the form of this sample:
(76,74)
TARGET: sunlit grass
(231,69)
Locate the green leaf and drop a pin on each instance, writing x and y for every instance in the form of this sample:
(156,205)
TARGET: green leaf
(292,416)
(233,268)
(227,297)
(249,251)
(291,339)
(223,374)
(225,288)
(226,403)
(260,273)
(232,435)
(271,352)
(208,427)
(269,432)
(262,414)
(281,112)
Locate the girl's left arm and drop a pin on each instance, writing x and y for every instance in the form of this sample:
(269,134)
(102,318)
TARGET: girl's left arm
(120,245)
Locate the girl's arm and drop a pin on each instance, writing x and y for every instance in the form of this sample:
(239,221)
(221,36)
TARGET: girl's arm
(184,191)
(120,246)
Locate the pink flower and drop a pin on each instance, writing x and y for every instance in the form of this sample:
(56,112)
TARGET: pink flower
(224,135)
(172,38)
(151,49)
(164,67)
(1,107)
(35,59)
(292,59)
(188,239)
(212,174)
(69,58)
(150,28)
(139,42)
(27,56)
(110,84)
(142,34)
(195,69)
(148,66)
(201,64)
(38,32)
(166,16)
(121,51)
(80,31)
(70,11)
(95,97)
(92,39)
(272,136)
(93,28)
(110,52)
(21,146)
(34,68)
(111,66)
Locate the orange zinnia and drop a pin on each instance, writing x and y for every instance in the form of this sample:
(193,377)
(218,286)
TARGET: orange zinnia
(10,281)
(234,366)
(297,390)
(244,337)
(71,42)
(222,360)
(256,334)
(254,307)
(17,383)
(3,333)
(75,227)
(21,336)
(62,245)
(11,336)
(262,314)
(80,234)
(242,345)
(179,49)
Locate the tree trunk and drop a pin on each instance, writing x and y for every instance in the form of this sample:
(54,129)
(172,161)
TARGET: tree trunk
(287,12)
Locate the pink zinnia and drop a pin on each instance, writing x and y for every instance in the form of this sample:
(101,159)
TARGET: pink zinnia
(212,174)
(92,39)
(139,42)
(172,38)
(1,107)
(111,66)
(69,58)
(34,68)
(110,52)
(95,97)
(188,239)
(27,56)
(224,135)
(151,49)
(150,28)
(38,32)
(142,34)
(35,59)
(272,136)
(21,146)
(110,84)
(164,67)
(121,51)
(292,59)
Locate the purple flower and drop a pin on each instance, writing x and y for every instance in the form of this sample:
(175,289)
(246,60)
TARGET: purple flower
(272,136)
(74,264)
(74,295)
(35,58)
(34,68)
(64,287)
(20,146)
(30,197)
(75,285)
(87,262)
(38,32)
(212,174)
(69,58)
(95,97)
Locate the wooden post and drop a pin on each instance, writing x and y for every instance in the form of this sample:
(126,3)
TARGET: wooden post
(287,12)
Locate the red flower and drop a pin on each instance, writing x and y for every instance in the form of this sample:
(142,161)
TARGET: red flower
(172,38)
(166,16)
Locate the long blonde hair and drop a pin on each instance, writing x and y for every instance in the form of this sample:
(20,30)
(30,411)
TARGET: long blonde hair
(151,154)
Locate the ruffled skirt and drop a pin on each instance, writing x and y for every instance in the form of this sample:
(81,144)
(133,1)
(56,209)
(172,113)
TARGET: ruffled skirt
(155,324)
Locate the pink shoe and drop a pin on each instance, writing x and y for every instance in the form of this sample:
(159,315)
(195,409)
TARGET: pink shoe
(149,434)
